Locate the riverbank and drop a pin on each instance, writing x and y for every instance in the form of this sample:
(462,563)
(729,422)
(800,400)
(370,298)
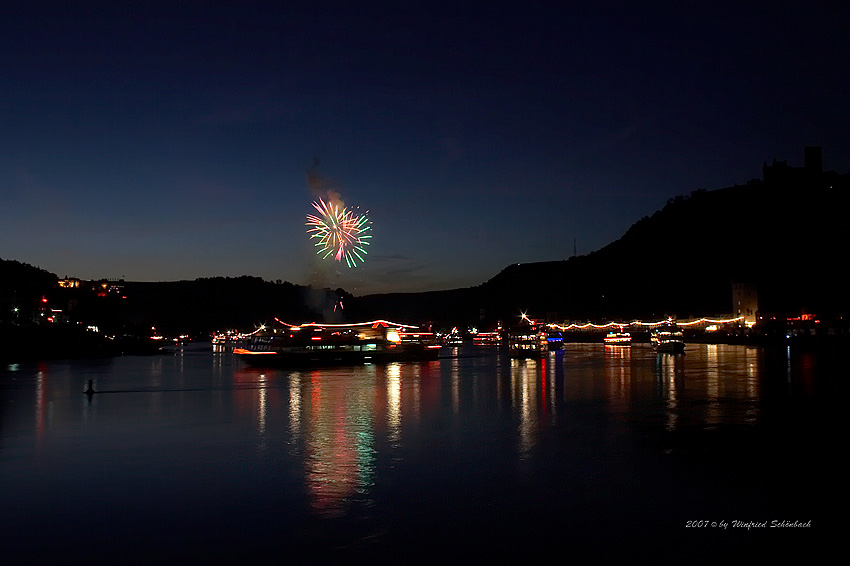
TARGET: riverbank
(27,343)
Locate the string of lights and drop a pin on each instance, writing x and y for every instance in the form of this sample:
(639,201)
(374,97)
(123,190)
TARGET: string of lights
(373,323)
(703,320)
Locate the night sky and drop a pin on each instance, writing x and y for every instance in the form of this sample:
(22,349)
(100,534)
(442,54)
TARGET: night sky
(173,140)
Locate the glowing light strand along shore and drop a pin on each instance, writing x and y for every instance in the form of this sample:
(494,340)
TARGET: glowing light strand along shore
(639,323)
(340,232)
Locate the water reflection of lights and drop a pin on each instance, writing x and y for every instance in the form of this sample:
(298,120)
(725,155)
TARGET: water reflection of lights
(669,368)
(295,407)
(394,402)
(500,383)
(218,365)
(712,375)
(788,359)
(618,371)
(524,397)
(261,405)
(455,385)
(806,363)
(40,396)
(416,402)
(730,373)
(339,437)
(722,384)
(156,366)
(543,368)
(751,383)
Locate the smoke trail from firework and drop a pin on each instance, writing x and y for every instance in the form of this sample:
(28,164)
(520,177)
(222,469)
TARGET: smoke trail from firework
(340,232)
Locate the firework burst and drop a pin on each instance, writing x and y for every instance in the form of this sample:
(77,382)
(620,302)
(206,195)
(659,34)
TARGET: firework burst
(339,232)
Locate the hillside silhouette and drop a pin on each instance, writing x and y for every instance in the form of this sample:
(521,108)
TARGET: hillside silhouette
(786,234)
(21,287)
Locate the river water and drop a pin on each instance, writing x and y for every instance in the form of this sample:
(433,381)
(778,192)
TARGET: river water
(592,453)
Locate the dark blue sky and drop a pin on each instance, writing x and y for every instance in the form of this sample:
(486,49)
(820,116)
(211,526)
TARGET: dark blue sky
(157,141)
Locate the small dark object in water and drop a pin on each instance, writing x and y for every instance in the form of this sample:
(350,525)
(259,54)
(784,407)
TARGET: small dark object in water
(90,391)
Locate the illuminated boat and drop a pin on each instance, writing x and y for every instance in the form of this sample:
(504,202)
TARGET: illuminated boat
(554,339)
(619,338)
(226,341)
(668,338)
(527,341)
(314,344)
(453,338)
(487,339)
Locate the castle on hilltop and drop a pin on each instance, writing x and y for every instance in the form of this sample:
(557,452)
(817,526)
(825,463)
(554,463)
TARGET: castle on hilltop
(780,173)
